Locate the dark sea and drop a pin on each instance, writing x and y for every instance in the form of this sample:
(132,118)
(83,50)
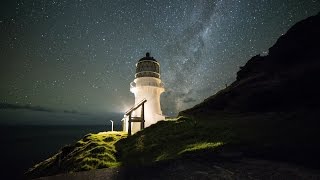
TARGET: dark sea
(23,145)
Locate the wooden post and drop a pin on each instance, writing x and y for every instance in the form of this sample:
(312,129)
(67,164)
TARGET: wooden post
(142,117)
(129,127)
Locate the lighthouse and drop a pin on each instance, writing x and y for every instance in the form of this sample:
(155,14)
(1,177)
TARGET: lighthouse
(147,86)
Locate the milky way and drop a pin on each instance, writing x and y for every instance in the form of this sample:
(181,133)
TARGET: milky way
(81,54)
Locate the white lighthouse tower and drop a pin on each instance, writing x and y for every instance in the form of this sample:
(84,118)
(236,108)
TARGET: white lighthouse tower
(147,85)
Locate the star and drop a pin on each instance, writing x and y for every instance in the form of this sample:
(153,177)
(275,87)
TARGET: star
(50,50)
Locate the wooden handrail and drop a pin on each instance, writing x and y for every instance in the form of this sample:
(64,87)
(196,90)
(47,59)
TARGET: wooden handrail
(135,107)
(136,119)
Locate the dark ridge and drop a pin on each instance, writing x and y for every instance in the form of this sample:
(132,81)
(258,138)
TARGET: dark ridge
(286,79)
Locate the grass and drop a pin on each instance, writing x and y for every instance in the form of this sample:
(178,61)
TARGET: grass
(284,136)
(200,146)
(93,151)
(170,139)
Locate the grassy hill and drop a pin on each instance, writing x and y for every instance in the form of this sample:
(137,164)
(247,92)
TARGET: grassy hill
(93,151)
(278,136)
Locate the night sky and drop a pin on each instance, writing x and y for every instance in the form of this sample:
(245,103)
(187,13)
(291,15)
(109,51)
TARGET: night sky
(81,55)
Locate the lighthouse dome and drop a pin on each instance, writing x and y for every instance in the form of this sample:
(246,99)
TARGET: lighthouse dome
(147,67)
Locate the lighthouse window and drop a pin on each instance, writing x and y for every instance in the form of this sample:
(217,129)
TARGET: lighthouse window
(147,66)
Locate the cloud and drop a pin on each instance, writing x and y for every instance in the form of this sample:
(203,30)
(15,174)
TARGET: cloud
(33,108)
(28,107)
(183,99)
(189,100)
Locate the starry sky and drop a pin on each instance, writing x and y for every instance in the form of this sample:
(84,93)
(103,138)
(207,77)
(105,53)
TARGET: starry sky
(81,54)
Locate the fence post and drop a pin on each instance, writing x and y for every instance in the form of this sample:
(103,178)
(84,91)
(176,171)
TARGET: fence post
(129,127)
(142,117)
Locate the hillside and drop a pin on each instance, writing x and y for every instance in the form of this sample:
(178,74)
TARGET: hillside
(265,125)
(287,79)
(282,91)
(93,151)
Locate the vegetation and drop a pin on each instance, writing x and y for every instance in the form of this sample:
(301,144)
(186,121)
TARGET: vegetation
(93,151)
(170,139)
(289,136)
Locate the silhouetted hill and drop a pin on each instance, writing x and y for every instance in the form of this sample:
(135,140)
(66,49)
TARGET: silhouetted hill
(287,79)
(273,106)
